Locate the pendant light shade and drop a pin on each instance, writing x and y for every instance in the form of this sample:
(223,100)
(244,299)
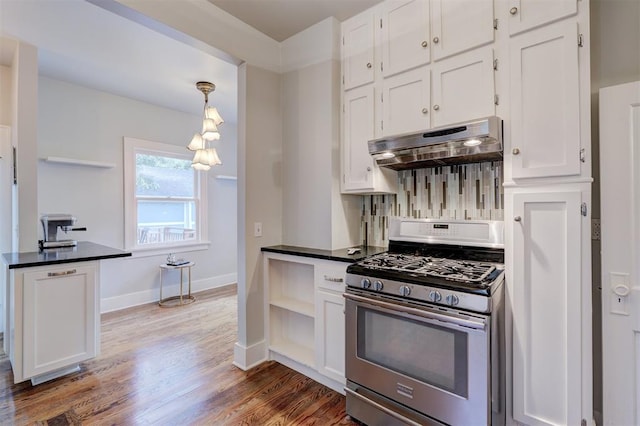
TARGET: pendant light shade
(213,114)
(210,130)
(197,142)
(206,156)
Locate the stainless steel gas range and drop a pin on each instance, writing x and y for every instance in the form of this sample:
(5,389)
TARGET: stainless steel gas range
(425,326)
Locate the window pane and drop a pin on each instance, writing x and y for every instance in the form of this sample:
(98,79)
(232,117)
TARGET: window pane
(166,221)
(163,176)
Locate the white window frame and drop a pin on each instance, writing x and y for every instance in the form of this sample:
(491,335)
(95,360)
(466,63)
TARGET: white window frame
(133,146)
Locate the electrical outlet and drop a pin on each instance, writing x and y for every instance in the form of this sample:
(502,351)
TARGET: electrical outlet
(595,229)
(257,229)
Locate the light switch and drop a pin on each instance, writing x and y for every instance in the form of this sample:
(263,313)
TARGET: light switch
(257,229)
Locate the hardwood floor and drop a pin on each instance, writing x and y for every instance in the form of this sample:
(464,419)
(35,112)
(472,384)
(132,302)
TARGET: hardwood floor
(171,366)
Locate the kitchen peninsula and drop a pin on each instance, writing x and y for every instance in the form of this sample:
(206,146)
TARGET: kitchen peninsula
(52,316)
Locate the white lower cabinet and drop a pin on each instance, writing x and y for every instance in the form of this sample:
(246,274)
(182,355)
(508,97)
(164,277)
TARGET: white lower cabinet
(549,288)
(305,315)
(54,319)
(330,334)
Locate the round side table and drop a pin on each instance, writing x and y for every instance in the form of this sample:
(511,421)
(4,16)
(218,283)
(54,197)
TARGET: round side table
(180,299)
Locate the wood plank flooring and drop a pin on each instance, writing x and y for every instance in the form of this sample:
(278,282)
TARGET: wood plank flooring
(171,366)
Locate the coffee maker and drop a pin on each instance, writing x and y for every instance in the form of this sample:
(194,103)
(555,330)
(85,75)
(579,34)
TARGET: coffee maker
(50,225)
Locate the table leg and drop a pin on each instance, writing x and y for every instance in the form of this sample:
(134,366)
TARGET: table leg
(160,302)
(181,279)
(189,282)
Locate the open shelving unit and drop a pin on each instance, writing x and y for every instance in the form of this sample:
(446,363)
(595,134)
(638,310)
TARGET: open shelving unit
(291,309)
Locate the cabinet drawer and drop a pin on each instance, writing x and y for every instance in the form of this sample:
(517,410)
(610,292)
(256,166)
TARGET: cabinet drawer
(330,275)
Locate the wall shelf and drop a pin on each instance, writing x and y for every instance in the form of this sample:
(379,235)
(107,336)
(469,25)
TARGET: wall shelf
(76,162)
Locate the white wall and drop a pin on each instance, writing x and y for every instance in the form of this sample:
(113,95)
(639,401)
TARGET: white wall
(87,124)
(5,95)
(259,200)
(315,214)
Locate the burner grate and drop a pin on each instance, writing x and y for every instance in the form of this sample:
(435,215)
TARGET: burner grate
(467,271)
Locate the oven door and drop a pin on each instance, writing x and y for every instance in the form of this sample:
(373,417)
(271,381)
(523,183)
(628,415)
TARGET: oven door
(433,360)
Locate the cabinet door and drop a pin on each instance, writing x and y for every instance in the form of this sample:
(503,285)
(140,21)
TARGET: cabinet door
(330,336)
(545,102)
(463,88)
(360,173)
(528,14)
(61,318)
(405,102)
(459,25)
(551,308)
(405,35)
(358,130)
(358,40)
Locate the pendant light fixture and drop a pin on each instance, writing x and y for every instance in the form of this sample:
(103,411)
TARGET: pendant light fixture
(206,156)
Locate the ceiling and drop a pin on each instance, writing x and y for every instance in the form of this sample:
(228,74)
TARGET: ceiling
(85,44)
(280,19)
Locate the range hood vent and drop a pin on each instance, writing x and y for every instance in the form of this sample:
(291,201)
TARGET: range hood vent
(471,142)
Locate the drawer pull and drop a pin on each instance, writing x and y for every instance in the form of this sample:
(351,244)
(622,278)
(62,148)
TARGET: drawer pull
(59,274)
(333,279)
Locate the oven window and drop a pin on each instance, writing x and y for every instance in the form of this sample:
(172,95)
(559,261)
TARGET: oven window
(425,352)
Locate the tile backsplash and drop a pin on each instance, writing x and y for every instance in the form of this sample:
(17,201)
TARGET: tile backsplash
(461,192)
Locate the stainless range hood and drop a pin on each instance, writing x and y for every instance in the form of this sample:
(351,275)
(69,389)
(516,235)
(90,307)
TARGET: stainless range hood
(469,142)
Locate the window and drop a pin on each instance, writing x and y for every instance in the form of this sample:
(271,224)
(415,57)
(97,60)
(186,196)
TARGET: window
(165,198)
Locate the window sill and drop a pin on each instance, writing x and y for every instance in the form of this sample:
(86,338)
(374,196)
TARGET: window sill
(165,249)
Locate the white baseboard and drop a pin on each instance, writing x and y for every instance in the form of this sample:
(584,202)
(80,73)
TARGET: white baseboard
(308,371)
(115,303)
(246,357)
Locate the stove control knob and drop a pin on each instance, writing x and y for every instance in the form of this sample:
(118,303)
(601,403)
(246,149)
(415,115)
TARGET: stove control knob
(405,290)
(365,283)
(435,296)
(452,299)
(377,285)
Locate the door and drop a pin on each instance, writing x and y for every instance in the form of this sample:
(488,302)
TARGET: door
(405,102)
(620,215)
(460,25)
(545,102)
(358,39)
(463,88)
(551,316)
(405,35)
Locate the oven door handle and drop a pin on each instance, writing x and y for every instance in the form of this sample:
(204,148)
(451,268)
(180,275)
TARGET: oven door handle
(381,408)
(477,324)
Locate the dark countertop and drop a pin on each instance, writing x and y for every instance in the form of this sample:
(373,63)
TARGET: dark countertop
(83,252)
(339,255)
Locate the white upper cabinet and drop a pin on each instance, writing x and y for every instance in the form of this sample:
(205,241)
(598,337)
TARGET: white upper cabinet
(545,102)
(527,14)
(360,173)
(459,25)
(463,88)
(405,35)
(358,40)
(405,102)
